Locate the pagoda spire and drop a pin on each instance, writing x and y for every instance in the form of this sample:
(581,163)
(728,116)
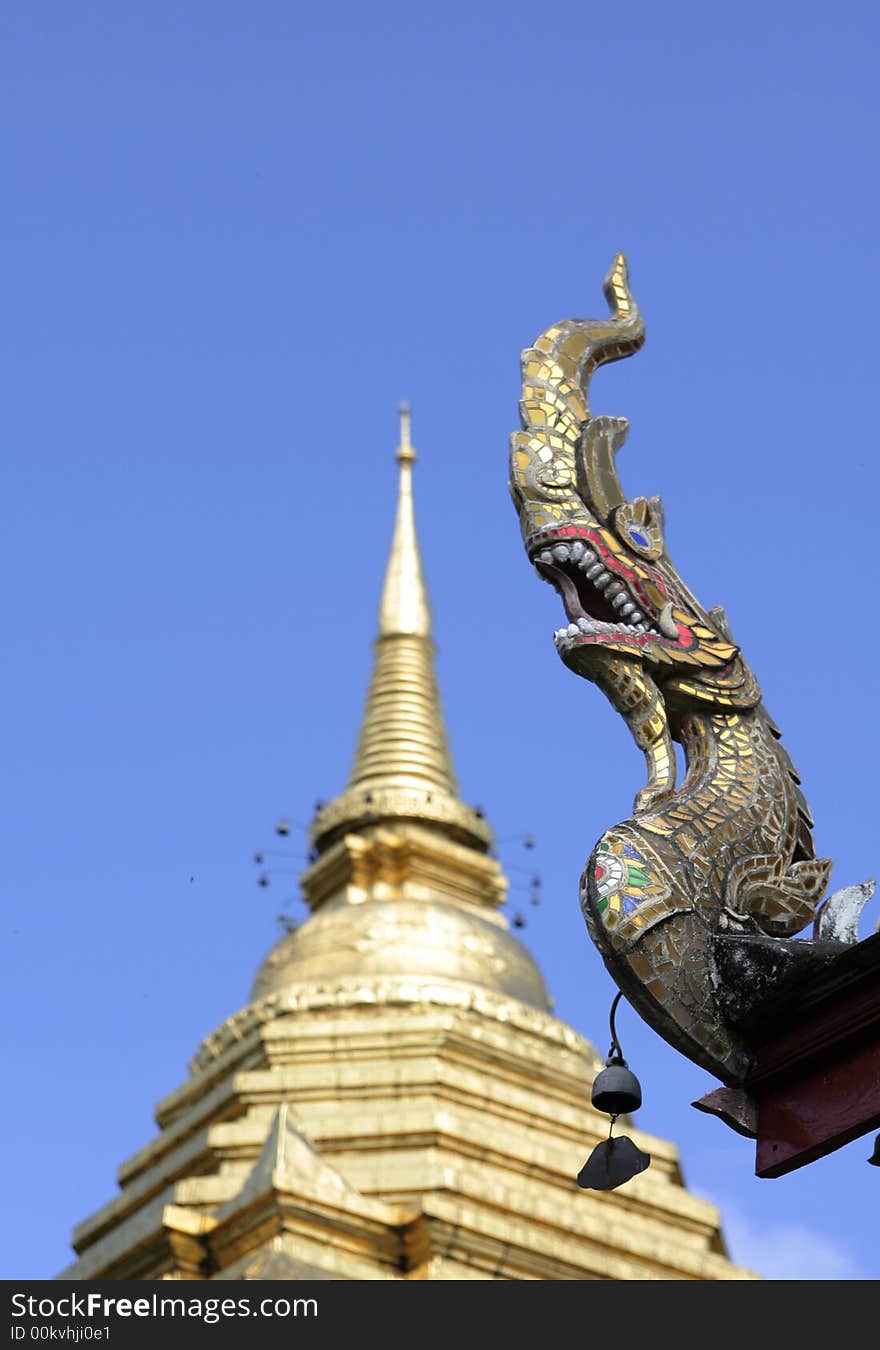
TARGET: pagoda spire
(403,737)
(402,764)
(405,607)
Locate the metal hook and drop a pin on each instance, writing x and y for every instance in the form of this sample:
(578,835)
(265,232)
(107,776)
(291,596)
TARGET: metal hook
(615,1043)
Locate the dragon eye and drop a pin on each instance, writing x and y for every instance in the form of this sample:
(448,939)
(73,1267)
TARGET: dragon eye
(638,525)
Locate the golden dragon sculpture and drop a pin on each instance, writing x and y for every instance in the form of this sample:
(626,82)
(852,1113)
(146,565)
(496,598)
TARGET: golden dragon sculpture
(728,852)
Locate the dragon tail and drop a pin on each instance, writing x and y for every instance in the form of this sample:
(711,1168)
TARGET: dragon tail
(556,373)
(567,353)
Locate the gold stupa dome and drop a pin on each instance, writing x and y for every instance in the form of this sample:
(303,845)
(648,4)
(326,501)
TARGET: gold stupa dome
(397,1102)
(404,882)
(422,939)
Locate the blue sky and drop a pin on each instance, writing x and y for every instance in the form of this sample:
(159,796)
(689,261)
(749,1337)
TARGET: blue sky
(235,236)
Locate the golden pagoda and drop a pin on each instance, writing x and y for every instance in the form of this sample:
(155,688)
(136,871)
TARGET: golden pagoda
(396,1101)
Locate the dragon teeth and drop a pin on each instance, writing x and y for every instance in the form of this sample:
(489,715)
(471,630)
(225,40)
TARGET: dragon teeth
(545,556)
(619,600)
(560,552)
(576,549)
(598,628)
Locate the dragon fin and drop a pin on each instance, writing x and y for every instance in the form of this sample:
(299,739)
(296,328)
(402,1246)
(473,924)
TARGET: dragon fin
(597,480)
(718,615)
(781,900)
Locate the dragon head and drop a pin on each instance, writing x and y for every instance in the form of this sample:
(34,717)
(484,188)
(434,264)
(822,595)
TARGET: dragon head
(605,553)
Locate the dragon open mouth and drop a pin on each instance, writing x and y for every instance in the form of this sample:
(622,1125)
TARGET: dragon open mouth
(599,603)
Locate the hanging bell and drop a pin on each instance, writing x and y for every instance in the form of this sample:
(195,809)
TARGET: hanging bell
(616,1090)
(874,1159)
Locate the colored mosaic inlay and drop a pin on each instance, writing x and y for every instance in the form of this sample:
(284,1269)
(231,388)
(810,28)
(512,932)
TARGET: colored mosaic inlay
(623,879)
